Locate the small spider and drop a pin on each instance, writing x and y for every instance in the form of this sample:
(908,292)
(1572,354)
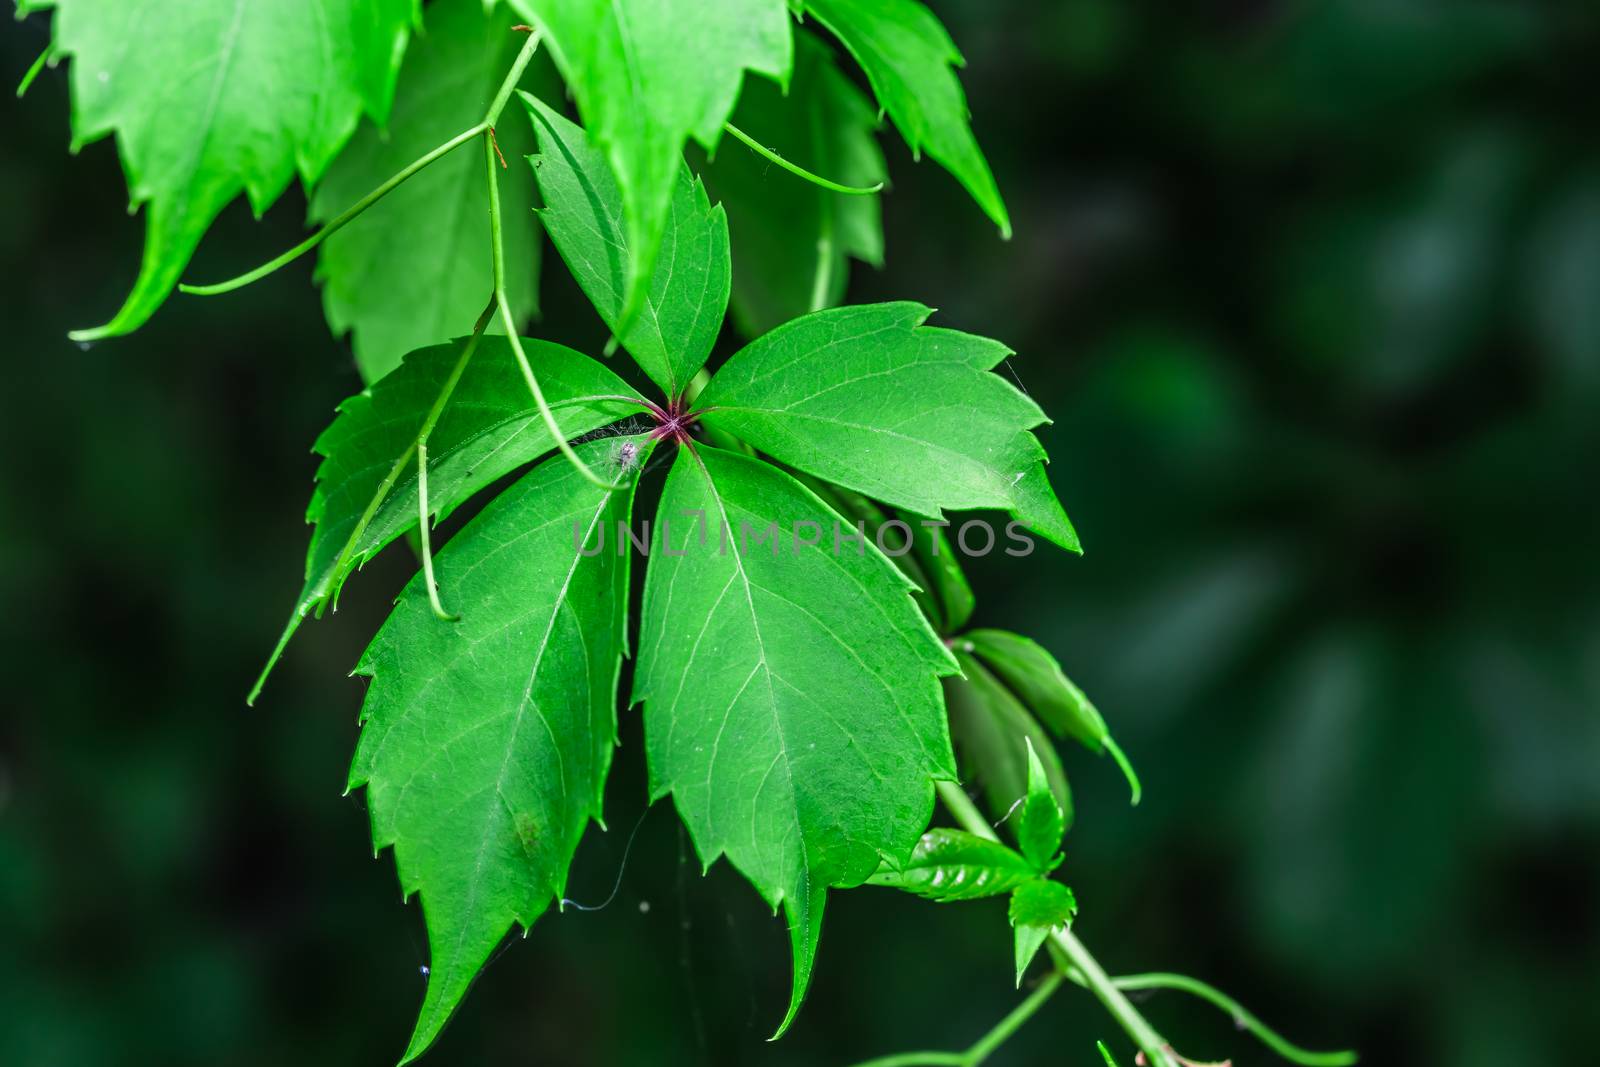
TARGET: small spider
(627,456)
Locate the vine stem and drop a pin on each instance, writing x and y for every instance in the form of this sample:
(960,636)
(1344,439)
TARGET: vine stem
(798,171)
(1095,978)
(1242,1017)
(986,1045)
(484,126)
(509,321)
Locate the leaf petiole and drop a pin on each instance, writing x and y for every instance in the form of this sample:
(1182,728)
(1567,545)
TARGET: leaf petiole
(339,223)
(509,322)
(424,536)
(798,171)
(485,125)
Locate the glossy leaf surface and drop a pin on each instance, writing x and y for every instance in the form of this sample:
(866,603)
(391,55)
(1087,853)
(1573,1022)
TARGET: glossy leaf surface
(870,398)
(952,865)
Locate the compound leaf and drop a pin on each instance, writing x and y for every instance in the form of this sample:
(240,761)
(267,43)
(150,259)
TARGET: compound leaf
(791,696)
(648,75)
(793,240)
(366,494)
(952,865)
(415,270)
(1041,822)
(486,741)
(869,398)
(675,327)
(210,99)
(908,58)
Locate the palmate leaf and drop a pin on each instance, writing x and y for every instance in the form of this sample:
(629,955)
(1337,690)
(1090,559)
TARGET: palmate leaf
(792,240)
(366,493)
(908,56)
(950,865)
(415,270)
(673,331)
(791,698)
(871,399)
(648,75)
(211,98)
(485,742)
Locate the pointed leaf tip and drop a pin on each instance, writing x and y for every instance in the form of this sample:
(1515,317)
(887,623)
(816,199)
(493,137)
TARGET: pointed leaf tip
(805,930)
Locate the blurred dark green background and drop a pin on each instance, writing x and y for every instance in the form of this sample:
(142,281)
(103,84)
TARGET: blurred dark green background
(1312,291)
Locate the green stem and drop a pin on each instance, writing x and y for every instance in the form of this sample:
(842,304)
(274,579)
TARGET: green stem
(1144,1035)
(425,537)
(33,71)
(984,1047)
(917,1059)
(485,125)
(1242,1018)
(798,171)
(503,94)
(509,321)
(1105,1054)
(1099,983)
(339,223)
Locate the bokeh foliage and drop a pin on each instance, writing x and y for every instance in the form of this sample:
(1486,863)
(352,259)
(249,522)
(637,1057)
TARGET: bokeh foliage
(1312,291)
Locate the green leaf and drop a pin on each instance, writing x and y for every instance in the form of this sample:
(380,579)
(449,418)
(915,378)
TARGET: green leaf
(208,100)
(792,240)
(1041,822)
(1043,903)
(869,519)
(951,865)
(873,400)
(414,270)
(946,580)
(1028,940)
(488,428)
(791,697)
(485,742)
(1033,674)
(992,733)
(908,58)
(672,334)
(648,75)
